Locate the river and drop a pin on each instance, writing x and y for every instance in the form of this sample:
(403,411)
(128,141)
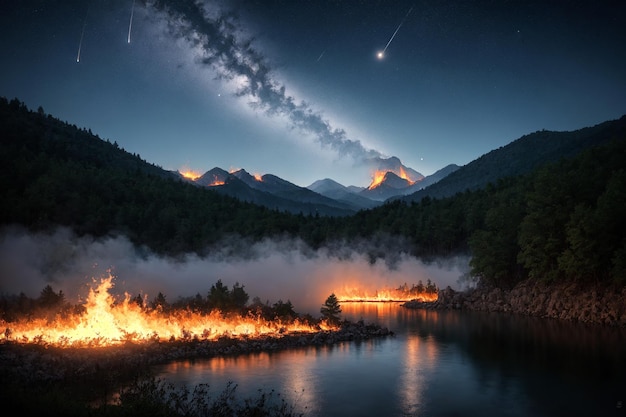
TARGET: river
(438,363)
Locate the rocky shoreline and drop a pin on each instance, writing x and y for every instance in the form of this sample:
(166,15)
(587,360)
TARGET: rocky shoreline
(43,363)
(587,304)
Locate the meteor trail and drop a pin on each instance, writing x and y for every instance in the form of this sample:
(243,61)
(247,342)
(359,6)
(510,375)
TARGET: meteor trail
(381,54)
(80,44)
(130,24)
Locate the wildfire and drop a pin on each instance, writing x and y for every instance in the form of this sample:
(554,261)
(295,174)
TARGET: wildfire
(106,322)
(405,176)
(190,174)
(401,294)
(379,176)
(216,182)
(258,177)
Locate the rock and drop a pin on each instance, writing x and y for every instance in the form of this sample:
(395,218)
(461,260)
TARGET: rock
(565,301)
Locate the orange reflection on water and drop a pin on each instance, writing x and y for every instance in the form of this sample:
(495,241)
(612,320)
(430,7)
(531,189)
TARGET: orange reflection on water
(419,362)
(378,312)
(297,383)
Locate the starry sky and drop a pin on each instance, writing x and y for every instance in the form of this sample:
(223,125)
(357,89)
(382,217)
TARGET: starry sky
(297,89)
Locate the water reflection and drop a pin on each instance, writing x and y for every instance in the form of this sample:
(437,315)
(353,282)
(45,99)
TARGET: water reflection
(437,363)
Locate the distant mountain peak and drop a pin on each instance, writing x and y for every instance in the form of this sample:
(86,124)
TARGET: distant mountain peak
(213,178)
(381,167)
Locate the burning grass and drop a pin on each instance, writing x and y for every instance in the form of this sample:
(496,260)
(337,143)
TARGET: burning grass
(417,292)
(104,321)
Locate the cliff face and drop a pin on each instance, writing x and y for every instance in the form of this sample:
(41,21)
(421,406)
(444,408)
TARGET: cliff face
(589,304)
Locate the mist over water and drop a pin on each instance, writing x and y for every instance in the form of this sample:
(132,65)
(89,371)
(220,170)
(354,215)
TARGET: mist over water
(272,269)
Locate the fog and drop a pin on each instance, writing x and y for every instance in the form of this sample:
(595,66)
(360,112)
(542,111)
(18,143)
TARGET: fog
(272,270)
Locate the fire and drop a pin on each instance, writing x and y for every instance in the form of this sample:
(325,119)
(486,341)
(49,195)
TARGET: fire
(258,177)
(106,322)
(377,179)
(216,182)
(190,174)
(405,176)
(401,294)
(379,176)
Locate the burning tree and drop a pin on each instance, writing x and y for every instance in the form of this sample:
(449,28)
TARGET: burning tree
(331,309)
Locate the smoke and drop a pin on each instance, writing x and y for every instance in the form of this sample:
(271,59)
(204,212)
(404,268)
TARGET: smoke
(216,37)
(271,270)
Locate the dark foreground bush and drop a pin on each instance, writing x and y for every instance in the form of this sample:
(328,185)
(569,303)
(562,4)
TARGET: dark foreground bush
(150,397)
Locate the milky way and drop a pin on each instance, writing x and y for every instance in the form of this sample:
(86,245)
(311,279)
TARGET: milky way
(232,58)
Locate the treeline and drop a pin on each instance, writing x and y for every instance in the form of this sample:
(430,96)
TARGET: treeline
(56,174)
(564,221)
(50,304)
(419,288)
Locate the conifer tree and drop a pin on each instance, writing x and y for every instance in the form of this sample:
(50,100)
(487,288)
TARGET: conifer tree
(331,309)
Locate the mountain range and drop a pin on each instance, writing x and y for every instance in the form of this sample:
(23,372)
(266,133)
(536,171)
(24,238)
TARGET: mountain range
(392,180)
(323,197)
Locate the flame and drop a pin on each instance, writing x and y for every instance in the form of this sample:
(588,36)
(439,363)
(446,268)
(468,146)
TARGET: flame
(258,177)
(216,182)
(360,295)
(190,174)
(377,179)
(405,176)
(106,322)
(379,176)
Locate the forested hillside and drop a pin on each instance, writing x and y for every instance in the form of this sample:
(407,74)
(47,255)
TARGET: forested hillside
(562,221)
(56,174)
(521,157)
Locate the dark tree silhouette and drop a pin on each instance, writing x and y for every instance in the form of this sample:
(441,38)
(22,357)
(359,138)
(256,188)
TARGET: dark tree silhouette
(331,309)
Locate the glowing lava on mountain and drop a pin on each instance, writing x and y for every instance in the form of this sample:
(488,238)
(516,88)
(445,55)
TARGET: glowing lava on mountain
(378,177)
(190,174)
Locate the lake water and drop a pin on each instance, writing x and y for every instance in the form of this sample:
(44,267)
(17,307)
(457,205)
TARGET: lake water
(438,363)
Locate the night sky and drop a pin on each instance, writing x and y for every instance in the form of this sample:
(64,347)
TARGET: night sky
(296,89)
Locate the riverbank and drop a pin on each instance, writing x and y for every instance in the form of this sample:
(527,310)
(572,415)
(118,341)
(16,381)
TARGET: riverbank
(588,304)
(45,363)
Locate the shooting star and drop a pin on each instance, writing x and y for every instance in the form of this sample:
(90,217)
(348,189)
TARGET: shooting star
(321,55)
(80,44)
(381,54)
(130,24)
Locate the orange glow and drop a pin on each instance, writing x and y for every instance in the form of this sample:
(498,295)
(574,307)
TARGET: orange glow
(379,176)
(377,179)
(258,177)
(190,174)
(405,176)
(108,322)
(216,182)
(355,294)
